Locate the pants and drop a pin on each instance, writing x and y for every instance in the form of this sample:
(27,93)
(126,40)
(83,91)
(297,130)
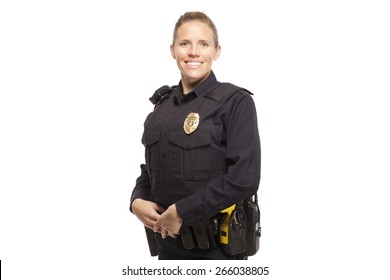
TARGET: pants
(173,249)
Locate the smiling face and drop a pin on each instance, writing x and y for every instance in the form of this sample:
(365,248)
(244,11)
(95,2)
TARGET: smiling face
(194,51)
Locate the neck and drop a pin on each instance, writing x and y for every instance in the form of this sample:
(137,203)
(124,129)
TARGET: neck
(187,88)
(189,85)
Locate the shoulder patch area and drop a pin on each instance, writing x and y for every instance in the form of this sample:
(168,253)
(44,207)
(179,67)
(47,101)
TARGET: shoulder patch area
(224,90)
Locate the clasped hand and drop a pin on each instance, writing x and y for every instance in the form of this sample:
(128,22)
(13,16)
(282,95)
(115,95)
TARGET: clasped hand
(165,221)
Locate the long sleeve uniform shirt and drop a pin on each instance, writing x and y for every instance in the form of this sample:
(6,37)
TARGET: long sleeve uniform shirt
(208,170)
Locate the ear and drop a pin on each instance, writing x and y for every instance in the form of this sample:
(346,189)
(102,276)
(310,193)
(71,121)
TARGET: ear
(173,51)
(217,52)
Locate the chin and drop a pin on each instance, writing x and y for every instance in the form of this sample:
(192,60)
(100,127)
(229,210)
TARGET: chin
(195,77)
(195,80)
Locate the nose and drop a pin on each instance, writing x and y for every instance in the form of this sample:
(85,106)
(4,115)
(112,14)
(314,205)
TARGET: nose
(193,50)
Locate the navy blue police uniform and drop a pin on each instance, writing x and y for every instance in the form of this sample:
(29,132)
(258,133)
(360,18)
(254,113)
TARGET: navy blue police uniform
(203,171)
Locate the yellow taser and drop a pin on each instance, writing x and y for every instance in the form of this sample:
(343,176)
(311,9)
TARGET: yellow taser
(224,228)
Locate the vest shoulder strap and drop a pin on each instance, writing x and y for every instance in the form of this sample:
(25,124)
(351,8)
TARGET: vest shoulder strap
(223,90)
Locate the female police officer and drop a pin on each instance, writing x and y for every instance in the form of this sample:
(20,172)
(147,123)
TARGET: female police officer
(202,145)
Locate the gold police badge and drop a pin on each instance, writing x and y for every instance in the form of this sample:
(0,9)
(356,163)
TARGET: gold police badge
(191,122)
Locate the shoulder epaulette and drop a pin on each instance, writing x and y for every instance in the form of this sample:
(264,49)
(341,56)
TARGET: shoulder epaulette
(223,90)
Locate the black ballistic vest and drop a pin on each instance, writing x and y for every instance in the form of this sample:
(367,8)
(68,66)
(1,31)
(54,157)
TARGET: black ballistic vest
(179,164)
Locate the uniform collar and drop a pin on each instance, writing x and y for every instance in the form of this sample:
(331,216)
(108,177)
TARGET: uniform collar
(207,85)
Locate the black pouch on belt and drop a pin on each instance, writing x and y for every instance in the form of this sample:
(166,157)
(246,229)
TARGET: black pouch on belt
(203,232)
(187,237)
(235,236)
(252,212)
(200,234)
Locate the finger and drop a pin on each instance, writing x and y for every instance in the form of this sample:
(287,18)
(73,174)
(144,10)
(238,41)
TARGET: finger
(158,223)
(150,223)
(153,216)
(149,227)
(157,228)
(148,217)
(172,235)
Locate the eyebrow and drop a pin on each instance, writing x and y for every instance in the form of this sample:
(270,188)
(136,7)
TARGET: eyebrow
(188,41)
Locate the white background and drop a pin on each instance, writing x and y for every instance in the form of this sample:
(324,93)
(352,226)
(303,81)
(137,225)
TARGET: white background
(75,78)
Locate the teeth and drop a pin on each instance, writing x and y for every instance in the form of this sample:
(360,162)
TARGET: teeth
(193,63)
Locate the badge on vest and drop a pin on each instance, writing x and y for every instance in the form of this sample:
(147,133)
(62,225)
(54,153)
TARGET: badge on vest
(191,123)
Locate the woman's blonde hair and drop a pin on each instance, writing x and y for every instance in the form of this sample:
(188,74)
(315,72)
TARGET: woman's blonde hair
(196,16)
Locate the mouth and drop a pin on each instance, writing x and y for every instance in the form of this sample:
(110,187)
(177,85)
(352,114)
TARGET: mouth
(193,64)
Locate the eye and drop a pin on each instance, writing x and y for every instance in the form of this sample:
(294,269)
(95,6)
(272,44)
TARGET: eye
(183,44)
